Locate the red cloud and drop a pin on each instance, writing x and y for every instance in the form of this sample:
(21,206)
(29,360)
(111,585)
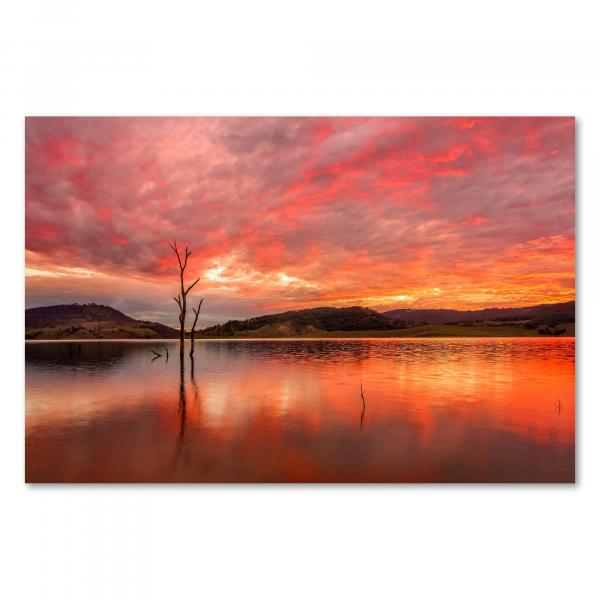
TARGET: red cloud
(475,220)
(287,212)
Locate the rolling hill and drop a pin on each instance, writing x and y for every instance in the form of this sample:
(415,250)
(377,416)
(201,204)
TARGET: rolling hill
(305,322)
(89,321)
(546,313)
(315,321)
(95,321)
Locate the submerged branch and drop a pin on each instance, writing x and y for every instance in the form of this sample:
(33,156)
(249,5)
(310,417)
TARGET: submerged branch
(362,414)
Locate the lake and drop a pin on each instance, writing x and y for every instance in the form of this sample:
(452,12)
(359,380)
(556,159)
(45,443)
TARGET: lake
(434,410)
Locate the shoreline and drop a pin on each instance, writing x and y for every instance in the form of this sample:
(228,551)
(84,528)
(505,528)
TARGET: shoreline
(301,338)
(440,331)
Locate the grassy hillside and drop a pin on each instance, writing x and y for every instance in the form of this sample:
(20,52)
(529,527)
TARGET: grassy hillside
(448,331)
(305,322)
(93,321)
(89,321)
(419,331)
(363,322)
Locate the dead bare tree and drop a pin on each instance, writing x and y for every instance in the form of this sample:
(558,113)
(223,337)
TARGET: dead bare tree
(181,298)
(193,331)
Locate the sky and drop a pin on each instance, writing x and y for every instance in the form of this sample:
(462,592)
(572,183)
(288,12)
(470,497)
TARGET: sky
(291,212)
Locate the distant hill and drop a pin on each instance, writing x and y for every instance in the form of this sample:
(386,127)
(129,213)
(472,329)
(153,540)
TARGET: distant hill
(95,321)
(89,321)
(305,322)
(545,313)
(533,320)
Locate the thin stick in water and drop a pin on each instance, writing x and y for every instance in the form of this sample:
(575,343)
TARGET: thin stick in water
(362,414)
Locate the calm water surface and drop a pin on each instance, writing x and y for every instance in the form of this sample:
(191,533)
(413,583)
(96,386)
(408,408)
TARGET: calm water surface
(437,410)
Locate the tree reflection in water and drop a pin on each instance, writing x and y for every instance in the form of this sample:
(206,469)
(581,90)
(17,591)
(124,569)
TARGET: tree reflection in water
(183,404)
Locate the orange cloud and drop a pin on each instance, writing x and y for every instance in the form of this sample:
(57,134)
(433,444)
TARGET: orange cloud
(296,212)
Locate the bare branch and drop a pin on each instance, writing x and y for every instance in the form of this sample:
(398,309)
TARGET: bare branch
(197,313)
(193,331)
(189,287)
(187,253)
(176,250)
(197,310)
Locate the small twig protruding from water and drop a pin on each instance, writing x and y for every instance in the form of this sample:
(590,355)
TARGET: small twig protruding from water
(362,414)
(155,353)
(558,405)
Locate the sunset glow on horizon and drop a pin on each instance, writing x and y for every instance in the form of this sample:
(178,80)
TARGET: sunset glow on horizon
(288,213)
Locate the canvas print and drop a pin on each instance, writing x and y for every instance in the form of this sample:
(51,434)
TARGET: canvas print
(300,300)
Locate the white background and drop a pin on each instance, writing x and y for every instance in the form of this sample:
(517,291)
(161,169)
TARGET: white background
(304,58)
